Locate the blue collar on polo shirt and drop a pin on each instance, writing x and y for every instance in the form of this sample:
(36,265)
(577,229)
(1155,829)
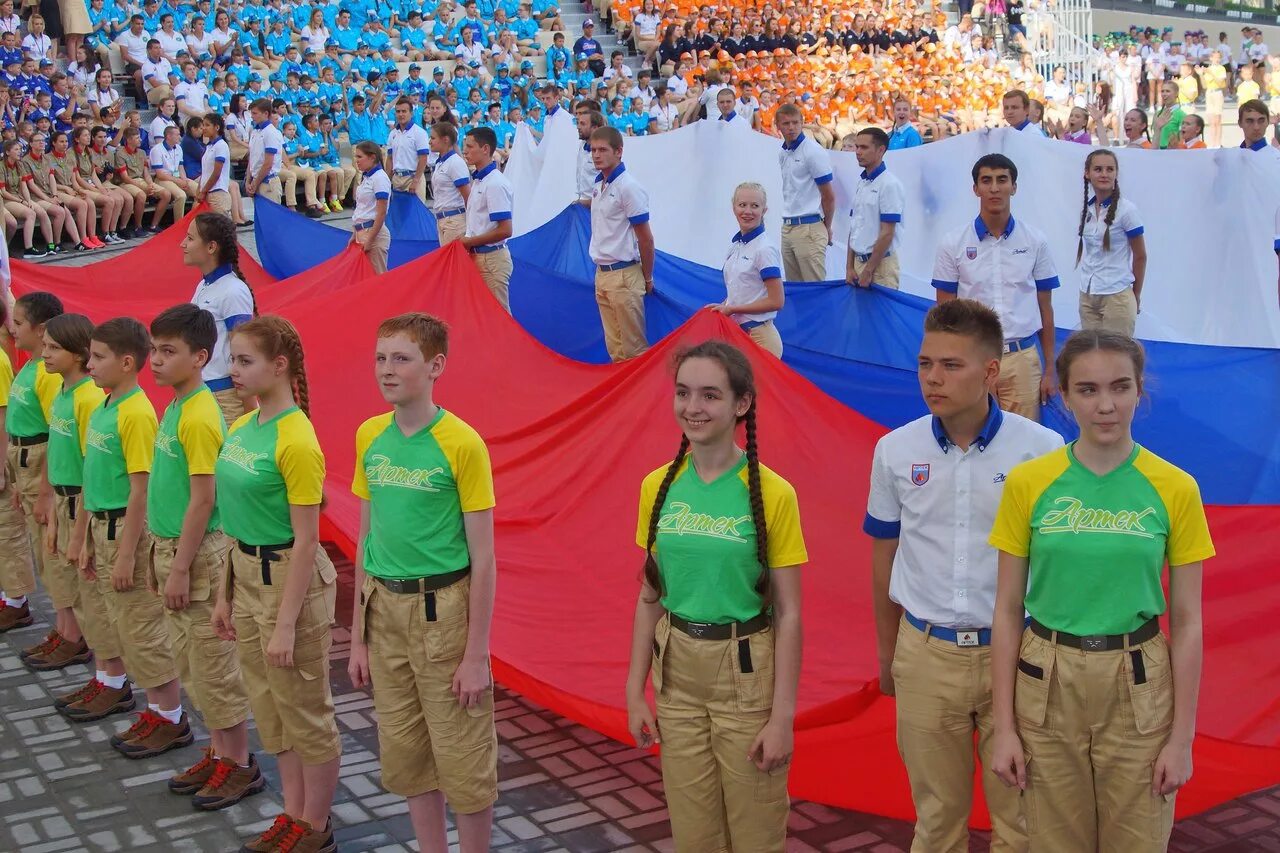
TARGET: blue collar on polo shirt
(749,236)
(730,117)
(257,126)
(1257,146)
(613,176)
(553,111)
(980,228)
(376,168)
(406,128)
(792,146)
(586,146)
(985,435)
(216,274)
(1106,202)
(875,173)
(445,156)
(1022,126)
(480,175)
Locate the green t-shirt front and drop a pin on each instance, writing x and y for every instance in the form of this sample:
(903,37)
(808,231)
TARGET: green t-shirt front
(1096,545)
(262,469)
(706,540)
(69,431)
(187,444)
(418,486)
(1172,130)
(31,400)
(120,442)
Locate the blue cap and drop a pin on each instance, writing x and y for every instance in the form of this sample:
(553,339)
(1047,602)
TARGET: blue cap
(330,43)
(254,78)
(582,57)
(502,66)
(437,70)
(413,66)
(526,64)
(475,63)
(45,63)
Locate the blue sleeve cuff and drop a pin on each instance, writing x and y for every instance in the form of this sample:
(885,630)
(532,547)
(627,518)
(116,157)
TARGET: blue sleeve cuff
(382,195)
(270,150)
(770,272)
(947,286)
(1137,232)
(461,182)
(220,159)
(1047,283)
(891,217)
(180,98)
(639,218)
(500,216)
(877,529)
(422,151)
(1278,244)
(237,320)
(824,179)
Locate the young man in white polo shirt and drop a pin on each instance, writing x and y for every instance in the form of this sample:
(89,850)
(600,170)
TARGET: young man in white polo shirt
(1006,266)
(265,144)
(621,247)
(588,122)
(166,170)
(808,199)
(878,203)
(407,148)
(489,207)
(935,486)
(450,183)
(156,73)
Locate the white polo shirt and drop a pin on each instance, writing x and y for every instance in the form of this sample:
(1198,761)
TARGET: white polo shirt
(1108,271)
(264,139)
(940,502)
(195,95)
(230,302)
(217,152)
(586,171)
(490,201)
(617,204)
(877,197)
(166,158)
(155,74)
(406,146)
(135,45)
(1003,272)
(448,173)
(664,117)
(753,258)
(158,125)
(374,185)
(806,165)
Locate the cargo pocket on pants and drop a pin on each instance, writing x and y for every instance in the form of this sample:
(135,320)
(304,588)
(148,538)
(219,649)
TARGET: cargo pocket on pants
(661,637)
(447,640)
(366,593)
(752,661)
(1031,690)
(771,787)
(1148,682)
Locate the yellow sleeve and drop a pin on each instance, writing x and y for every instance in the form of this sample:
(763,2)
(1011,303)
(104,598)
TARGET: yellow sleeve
(782,518)
(469,458)
(1011,531)
(1189,539)
(648,491)
(138,426)
(48,386)
(200,432)
(6,378)
(368,431)
(87,399)
(300,460)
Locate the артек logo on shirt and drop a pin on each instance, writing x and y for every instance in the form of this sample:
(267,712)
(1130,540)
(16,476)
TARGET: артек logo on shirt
(238,456)
(682,520)
(164,444)
(97,440)
(61,426)
(380,472)
(1075,517)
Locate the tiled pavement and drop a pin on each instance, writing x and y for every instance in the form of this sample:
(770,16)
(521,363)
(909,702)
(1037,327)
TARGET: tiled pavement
(564,788)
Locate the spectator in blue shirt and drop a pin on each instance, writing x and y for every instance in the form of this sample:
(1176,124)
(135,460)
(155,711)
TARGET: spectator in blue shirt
(904,134)
(590,48)
(471,21)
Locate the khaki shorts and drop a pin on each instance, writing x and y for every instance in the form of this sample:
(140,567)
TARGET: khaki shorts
(61,578)
(206,663)
(1213,101)
(91,612)
(28,549)
(1018,388)
(427,741)
(709,713)
(887,273)
(230,404)
(138,615)
(1112,312)
(16,574)
(495,269)
(620,297)
(292,706)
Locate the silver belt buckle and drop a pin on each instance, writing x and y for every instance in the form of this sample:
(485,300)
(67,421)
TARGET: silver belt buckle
(1093,644)
(966,639)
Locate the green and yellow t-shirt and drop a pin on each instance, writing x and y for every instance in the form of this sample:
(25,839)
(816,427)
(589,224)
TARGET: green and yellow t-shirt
(268,466)
(706,542)
(1097,544)
(120,442)
(418,487)
(187,444)
(6,378)
(31,399)
(69,431)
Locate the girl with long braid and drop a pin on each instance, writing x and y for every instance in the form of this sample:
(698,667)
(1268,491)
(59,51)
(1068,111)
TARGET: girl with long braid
(1111,252)
(211,247)
(717,623)
(1137,133)
(278,599)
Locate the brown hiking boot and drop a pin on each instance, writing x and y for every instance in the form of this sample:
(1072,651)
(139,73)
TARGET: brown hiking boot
(100,701)
(301,838)
(156,735)
(40,647)
(14,617)
(62,653)
(194,777)
(229,784)
(60,702)
(270,837)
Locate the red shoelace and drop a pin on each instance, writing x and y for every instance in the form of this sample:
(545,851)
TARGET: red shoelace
(199,766)
(221,773)
(91,691)
(283,822)
(146,724)
(291,838)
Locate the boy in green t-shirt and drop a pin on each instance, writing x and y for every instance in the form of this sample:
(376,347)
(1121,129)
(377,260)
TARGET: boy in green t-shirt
(426,546)
(190,553)
(119,448)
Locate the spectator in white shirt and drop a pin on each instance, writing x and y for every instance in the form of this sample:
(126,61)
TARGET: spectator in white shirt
(156,73)
(36,44)
(132,44)
(663,115)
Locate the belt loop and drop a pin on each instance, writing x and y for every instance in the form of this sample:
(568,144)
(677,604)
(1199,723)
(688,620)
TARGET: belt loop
(265,561)
(429,606)
(1053,637)
(745,664)
(928,629)
(22,457)
(71,506)
(111,528)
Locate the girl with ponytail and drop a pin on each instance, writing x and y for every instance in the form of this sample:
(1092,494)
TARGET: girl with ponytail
(717,623)
(1111,252)
(211,247)
(278,599)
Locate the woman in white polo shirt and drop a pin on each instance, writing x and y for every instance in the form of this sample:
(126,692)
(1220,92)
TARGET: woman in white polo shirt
(215,166)
(753,271)
(369,230)
(1111,253)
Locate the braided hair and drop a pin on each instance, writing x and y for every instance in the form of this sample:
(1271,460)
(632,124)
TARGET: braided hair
(1111,208)
(741,384)
(218,228)
(276,337)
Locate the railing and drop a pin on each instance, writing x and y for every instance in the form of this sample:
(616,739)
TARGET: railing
(1260,11)
(1061,33)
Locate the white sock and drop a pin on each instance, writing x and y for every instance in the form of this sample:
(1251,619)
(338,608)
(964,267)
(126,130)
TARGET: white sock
(15,602)
(172,716)
(101,675)
(115,682)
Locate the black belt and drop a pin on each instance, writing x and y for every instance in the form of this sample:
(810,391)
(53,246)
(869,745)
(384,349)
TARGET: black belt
(267,554)
(714,631)
(29,440)
(110,516)
(1098,642)
(426,587)
(66,491)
